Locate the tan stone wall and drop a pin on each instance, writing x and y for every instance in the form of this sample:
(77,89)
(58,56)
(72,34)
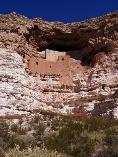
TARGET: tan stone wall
(52,55)
(57,63)
(39,65)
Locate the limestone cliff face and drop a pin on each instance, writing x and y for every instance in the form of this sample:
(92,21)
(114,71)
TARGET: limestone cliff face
(91,65)
(22,94)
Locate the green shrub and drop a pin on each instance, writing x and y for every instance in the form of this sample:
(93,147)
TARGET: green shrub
(38,129)
(71,139)
(99,123)
(17,128)
(2,153)
(35,152)
(24,141)
(70,135)
(4,128)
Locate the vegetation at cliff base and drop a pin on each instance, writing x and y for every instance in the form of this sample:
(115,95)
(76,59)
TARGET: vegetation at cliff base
(59,136)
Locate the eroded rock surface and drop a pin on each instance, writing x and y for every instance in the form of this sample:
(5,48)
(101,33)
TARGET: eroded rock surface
(87,82)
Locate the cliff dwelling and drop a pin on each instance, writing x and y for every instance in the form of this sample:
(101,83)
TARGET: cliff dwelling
(63,61)
(62,68)
(56,48)
(63,56)
(51,62)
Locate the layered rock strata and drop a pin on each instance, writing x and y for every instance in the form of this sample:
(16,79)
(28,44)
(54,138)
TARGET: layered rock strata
(94,87)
